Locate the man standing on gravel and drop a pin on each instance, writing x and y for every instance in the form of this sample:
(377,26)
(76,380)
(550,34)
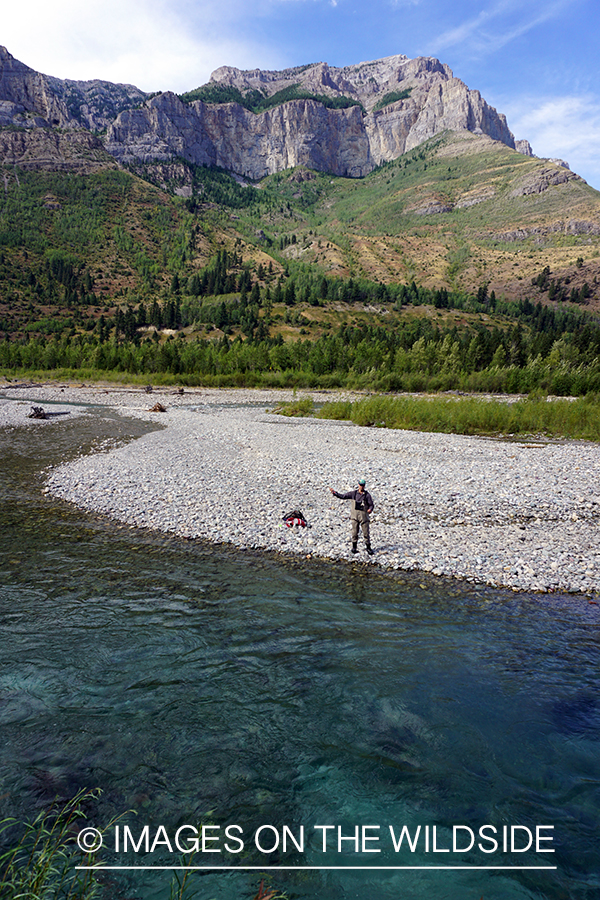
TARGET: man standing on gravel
(362,507)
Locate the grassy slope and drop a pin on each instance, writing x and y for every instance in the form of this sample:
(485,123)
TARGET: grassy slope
(376,226)
(132,237)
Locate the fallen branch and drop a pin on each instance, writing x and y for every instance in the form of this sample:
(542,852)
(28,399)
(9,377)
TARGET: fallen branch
(37,413)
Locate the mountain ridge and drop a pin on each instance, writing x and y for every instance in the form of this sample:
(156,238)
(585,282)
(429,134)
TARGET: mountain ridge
(424,99)
(403,103)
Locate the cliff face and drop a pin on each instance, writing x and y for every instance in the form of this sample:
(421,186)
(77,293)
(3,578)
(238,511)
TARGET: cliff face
(403,103)
(436,100)
(52,150)
(438,105)
(96,104)
(349,142)
(26,98)
(301,132)
(37,128)
(29,99)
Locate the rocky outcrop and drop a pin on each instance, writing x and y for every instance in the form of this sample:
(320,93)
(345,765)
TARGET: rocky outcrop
(523,147)
(571,227)
(560,162)
(26,98)
(169,176)
(539,181)
(302,132)
(52,150)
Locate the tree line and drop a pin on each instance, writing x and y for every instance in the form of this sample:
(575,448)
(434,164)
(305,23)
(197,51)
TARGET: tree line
(414,356)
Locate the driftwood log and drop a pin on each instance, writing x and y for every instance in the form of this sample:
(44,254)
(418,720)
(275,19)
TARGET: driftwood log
(37,413)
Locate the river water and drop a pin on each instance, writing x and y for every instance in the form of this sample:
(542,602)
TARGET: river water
(200,685)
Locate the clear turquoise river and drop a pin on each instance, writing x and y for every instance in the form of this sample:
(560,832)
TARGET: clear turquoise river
(201,685)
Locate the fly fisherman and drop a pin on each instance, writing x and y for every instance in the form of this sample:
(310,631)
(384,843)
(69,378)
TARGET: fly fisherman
(362,507)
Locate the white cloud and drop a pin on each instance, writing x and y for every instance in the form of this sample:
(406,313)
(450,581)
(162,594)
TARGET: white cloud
(566,127)
(495,26)
(151,43)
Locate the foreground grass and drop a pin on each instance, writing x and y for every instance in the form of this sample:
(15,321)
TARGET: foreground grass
(42,863)
(576,419)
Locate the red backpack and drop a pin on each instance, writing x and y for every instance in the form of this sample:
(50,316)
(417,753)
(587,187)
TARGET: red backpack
(295,517)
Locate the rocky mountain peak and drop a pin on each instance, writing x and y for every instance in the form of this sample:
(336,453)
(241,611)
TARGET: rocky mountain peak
(366,82)
(399,103)
(30,99)
(26,98)
(343,120)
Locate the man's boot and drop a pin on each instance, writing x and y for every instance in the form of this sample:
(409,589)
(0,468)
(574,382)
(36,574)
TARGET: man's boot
(354,546)
(370,550)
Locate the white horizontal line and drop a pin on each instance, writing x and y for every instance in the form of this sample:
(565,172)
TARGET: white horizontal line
(311,868)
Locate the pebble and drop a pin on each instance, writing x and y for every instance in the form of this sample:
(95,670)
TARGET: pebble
(224,469)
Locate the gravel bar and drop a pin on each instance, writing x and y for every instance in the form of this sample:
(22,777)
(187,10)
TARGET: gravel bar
(518,514)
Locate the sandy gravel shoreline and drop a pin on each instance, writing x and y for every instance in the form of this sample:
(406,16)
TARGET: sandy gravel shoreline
(519,514)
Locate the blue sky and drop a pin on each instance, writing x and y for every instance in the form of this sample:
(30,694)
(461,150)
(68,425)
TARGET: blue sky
(535,61)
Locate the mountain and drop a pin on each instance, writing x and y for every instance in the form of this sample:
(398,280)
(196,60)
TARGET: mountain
(344,121)
(29,99)
(460,211)
(47,123)
(382,173)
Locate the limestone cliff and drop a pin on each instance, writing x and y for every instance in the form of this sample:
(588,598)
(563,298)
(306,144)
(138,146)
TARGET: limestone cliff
(348,142)
(53,150)
(29,99)
(403,102)
(45,122)
(26,98)
(435,105)
(302,132)
(96,104)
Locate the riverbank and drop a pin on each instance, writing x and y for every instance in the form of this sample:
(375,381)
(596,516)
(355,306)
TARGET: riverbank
(522,514)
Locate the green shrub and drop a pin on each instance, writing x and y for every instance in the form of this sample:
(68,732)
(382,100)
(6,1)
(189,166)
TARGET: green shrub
(336,409)
(392,97)
(42,864)
(301,407)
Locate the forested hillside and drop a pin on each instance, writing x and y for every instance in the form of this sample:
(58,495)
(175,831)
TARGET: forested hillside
(413,278)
